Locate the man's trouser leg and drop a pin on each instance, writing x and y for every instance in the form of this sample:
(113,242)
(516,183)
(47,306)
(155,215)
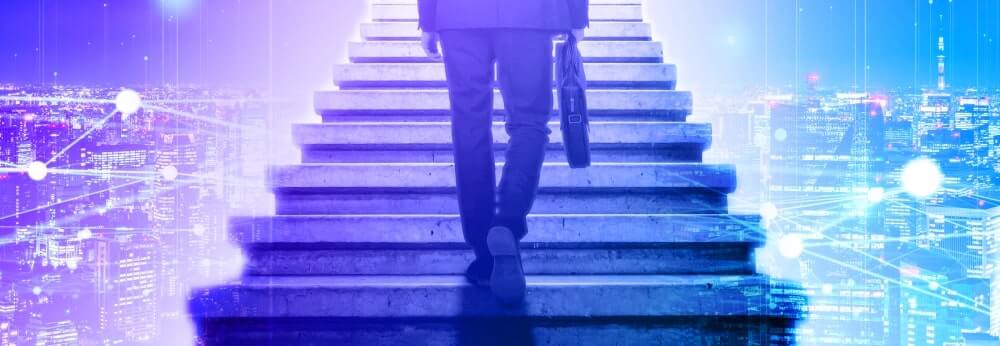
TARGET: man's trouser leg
(524,64)
(468,59)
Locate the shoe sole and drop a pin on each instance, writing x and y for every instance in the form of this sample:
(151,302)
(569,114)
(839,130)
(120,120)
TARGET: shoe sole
(507,279)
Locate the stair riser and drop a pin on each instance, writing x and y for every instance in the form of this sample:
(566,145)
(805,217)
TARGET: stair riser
(742,297)
(404,136)
(712,259)
(632,76)
(443,229)
(592,51)
(686,331)
(603,102)
(676,153)
(499,115)
(598,31)
(676,202)
(555,176)
(598,13)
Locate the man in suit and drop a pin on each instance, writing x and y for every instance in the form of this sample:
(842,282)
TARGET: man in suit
(514,39)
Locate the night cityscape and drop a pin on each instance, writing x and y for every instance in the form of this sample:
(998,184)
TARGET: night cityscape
(131,131)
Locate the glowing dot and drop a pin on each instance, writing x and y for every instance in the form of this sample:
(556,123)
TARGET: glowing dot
(37,290)
(198,230)
(731,40)
(827,289)
(71,264)
(780,135)
(85,233)
(769,211)
(37,170)
(791,245)
(876,194)
(922,177)
(128,102)
(934,285)
(169,173)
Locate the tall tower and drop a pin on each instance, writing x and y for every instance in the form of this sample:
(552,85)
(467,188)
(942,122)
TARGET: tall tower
(940,59)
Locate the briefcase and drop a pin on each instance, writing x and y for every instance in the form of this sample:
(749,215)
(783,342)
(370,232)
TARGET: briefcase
(571,85)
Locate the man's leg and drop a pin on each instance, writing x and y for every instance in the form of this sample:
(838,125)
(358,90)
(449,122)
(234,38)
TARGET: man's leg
(468,60)
(524,61)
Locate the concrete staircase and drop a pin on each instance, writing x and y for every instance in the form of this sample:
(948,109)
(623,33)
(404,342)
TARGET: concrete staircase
(366,247)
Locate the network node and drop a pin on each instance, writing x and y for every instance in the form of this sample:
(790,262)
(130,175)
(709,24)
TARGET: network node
(876,194)
(128,102)
(169,173)
(791,245)
(922,178)
(769,211)
(37,170)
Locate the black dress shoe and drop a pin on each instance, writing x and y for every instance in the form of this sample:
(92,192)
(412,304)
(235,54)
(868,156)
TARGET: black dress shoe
(478,273)
(507,280)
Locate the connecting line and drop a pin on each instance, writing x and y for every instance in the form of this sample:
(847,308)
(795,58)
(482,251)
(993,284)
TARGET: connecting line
(902,284)
(201,118)
(96,126)
(74,198)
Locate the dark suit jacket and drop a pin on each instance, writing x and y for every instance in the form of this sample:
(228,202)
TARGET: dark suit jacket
(556,15)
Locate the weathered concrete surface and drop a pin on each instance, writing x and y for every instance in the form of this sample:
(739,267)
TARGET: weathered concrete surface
(401,75)
(438,134)
(549,296)
(417,177)
(598,31)
(539,258)
(593,51)
(599,13)
(551,228)
(582,201)
(333,102)
(382,141)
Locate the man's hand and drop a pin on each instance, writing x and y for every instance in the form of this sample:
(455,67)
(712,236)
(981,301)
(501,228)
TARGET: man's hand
(429,41)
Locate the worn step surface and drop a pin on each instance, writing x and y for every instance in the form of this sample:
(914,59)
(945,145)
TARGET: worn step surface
(664,105)
(593,51)
(428,188)
(598,31)
(557,244)
(592,296)
(431,141)
(402,75)
(598,13)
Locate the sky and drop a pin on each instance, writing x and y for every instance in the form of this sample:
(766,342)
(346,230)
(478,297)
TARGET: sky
(289,46)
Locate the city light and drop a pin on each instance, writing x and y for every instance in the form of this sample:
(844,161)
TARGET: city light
(922,178)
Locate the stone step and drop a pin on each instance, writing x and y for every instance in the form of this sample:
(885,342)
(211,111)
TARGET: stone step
(598,13)
(439,177)
(557,244)
(402,75)
(431,142)
(405,230)
(598,31)
(592,2)
(428,188)
(664,105)
(592,51)
(512,331)
(450,297)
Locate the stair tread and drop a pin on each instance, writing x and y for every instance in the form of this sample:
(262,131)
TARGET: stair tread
(720,178)
(552,228)
(433,74)
(427,133)
(433,296)
(611,31)
(592,51)
(418,101)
